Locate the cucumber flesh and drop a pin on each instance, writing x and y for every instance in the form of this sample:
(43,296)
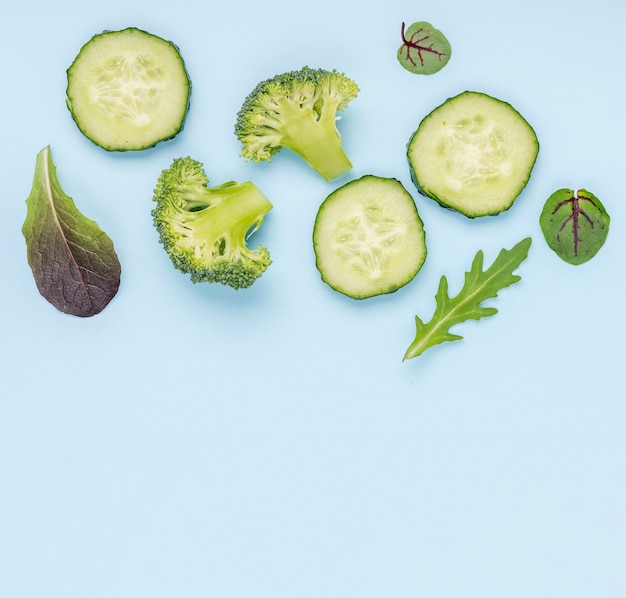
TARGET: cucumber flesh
(473,154)
(368,238)
(128,90)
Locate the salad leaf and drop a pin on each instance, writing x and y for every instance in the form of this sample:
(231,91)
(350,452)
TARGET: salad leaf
(73,261)
(575,225)
(424,50)
(478,287)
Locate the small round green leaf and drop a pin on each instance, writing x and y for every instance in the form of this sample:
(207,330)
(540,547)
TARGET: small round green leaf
(424,50)
(575,224)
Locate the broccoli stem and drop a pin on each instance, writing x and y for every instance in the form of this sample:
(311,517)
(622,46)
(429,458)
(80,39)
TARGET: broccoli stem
(318,142)
(249,205)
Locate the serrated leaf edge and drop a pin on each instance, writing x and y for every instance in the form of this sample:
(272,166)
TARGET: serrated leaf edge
(508,260)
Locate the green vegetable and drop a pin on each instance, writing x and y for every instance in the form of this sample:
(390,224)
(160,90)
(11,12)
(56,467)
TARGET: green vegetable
(73,261)
(128,90)
(204,229)
(575,225)
(368,238)
(479,286)
(424,50)
(297,110)
(473,154)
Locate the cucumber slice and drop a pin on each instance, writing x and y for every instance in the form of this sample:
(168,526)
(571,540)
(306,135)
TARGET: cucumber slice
(368,238)
(128,90)
(473,154)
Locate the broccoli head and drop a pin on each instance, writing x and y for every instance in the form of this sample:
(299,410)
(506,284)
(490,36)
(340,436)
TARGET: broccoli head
(297,110)
(204,229)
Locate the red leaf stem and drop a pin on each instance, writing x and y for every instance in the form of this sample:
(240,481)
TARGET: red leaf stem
(577,212)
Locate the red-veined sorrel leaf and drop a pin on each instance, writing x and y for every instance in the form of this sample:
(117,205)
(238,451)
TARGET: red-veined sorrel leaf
(424,50)
(73,261)
(575,224)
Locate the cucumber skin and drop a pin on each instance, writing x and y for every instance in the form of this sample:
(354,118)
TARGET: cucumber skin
(441,202)
(424,193)
(68,102)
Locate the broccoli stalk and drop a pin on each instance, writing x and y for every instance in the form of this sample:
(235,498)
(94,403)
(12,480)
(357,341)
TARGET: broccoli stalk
(204,229)
(297,110)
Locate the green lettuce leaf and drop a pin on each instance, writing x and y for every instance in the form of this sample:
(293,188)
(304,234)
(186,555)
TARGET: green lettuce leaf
(73,261)
(478,287)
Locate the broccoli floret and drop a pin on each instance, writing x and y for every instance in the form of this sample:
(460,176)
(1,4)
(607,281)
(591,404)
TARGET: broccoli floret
(204,229)
(297,110)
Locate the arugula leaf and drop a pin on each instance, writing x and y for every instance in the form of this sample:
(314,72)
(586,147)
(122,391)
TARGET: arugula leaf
(478,287)
(575,225)
(424,50)
(73,261)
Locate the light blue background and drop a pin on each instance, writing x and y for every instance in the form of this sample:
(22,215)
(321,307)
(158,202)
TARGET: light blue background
(195,442)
